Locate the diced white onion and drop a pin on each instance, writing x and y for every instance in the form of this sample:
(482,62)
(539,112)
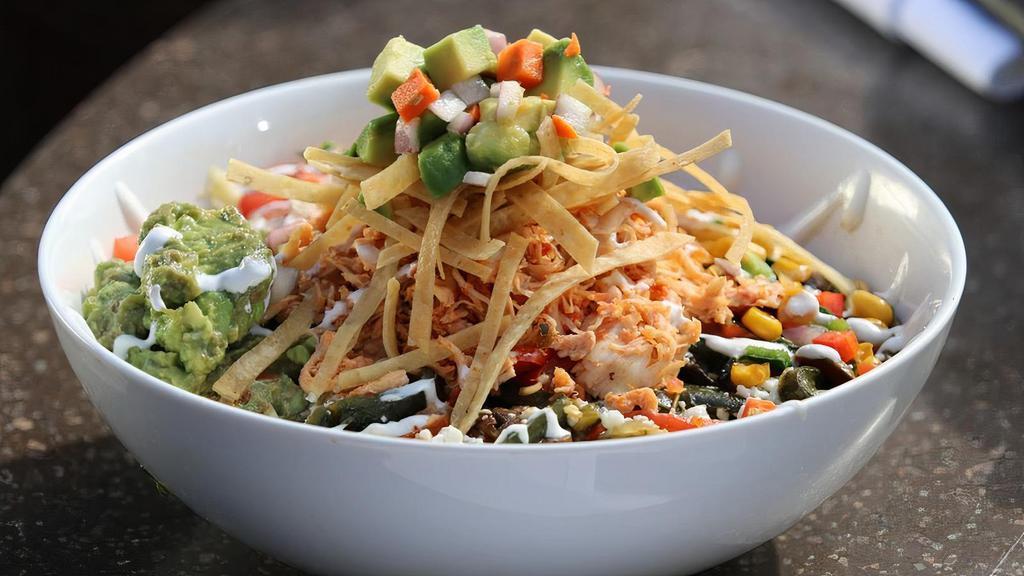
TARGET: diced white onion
(494,89)
(471,90)
(803,335)
(576,113)
(407,136)
(497,40)
(447,106)
(476,178)
(510,95)
(462,122)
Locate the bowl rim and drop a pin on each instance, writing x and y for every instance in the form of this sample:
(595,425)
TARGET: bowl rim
(942,318)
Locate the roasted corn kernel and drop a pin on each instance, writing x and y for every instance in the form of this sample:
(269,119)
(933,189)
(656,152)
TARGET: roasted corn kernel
(719,246)
(749,375)
(864,304)
(762,324)
(792,269)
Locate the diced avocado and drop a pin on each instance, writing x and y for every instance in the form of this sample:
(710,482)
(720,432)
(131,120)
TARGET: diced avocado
(531,112)
(541,37)
(443,164)
(489,145)
(560,71)
(756,266)
(392,67)
(351,151)
(430,127)
(458,56)
(645,191)
(376,144)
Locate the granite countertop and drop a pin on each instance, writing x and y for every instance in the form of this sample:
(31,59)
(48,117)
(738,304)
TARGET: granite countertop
(945,495)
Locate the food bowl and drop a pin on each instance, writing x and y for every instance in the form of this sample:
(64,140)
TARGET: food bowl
(334,502)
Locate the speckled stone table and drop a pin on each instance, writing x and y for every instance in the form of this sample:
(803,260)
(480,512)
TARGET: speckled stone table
(945,495)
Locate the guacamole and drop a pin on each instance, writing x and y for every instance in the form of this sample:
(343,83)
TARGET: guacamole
(200,280)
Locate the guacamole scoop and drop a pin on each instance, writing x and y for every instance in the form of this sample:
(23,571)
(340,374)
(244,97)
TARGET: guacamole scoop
(200,281)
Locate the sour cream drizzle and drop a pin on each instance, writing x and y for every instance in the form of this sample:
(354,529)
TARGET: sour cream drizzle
(552,430)
(735,347)
(125,342)
(426,385)
(156,300)
(818,352)
(397,428)
(250,272)
(155,239)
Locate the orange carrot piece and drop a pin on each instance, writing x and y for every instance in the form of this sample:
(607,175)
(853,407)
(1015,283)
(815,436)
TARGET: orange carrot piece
(522,61)
(474,111)
(573,49)
(413,96)
(125,248)
(562,127)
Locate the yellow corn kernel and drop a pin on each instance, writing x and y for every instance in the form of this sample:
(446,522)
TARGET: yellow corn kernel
(749,375)
(792,269)
(762,324)
(758,249)
(719,246)
(790,287)
(864,304)
(865,351)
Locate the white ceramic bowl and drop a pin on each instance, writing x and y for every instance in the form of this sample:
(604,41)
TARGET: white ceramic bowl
(332,502)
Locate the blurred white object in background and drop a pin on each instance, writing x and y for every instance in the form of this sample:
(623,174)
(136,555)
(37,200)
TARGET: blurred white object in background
(958,36)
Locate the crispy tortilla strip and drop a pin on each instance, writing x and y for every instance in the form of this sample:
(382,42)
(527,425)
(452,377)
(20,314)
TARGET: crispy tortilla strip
(419,191)
(382,384)
(510,259)
(390,182)
(631,163)
(337,233)
(412,361)
(346,335)
(550,147)
(393,254)
(596,101)
(453,238)
(624,128)
(390,333)
(412,239)
(562,225)
(768,235)
(283,186)
(737,203)
(348,167)
(509,219)
(651,248)
(351,191)
(422,315)
(607,124)
(233,384)
(220,190)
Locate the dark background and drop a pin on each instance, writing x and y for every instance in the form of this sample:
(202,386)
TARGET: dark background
(55,53)
(945,493)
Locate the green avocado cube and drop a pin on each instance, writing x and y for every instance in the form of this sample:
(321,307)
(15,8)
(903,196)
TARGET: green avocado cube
(443,164)
(649,190)
(376,143)
(459,56)
(532,111)
(430,127)
(489,144)
(541,37)
(560,71)
(392,67)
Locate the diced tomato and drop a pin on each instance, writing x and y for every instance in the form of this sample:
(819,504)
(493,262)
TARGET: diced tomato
(252,201)
(663,421)
(522,61)
(563,128)
(125,248)
(595,432)
(844,342)
(573,49)
(754,406)
(307,176)
(834,302)
(865,367)
(474,111)
(413,96)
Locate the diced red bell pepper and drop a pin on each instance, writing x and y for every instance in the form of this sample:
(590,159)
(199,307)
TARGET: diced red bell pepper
(252,201)
(413,96)
(125,248)
(844,342)
(663,421)
(834,302)
(754,406)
